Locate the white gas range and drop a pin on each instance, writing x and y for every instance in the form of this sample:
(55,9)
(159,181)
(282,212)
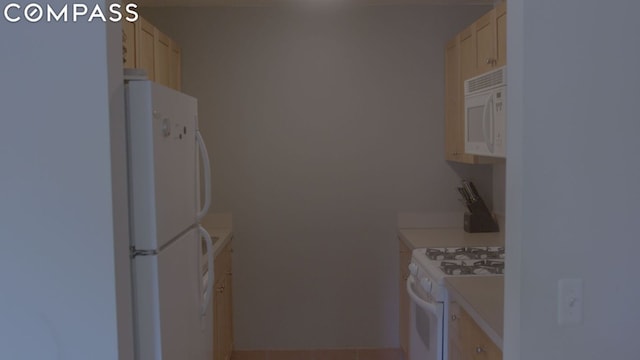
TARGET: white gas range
(425,285)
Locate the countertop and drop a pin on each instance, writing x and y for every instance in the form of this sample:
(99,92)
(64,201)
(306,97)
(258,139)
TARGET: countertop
(448,237)
(482,297)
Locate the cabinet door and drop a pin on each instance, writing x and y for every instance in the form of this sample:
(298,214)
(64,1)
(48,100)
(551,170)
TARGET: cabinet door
(485,38)
(222,305)
(128,44)
(162,58)
(145,36)
(468,68)
(228,328)
(219,319)
(475,344)
(501,34)
(224,336)
(455,338)
(175,65)
(452,99)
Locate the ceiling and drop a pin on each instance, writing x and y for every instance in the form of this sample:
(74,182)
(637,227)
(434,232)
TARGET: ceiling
(192,3)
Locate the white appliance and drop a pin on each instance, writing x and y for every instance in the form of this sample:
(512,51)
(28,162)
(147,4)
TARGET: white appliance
(171,296)
(485,109)
(428,326)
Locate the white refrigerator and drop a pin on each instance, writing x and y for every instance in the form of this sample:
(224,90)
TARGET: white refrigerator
(172,280)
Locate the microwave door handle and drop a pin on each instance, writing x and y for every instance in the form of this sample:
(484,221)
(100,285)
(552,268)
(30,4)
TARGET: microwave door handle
(487,129)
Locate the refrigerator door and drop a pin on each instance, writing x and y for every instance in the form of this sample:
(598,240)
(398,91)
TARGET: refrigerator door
(167,301)
(161,131)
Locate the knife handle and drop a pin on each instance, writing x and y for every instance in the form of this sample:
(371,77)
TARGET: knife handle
(473,188)
(467,188)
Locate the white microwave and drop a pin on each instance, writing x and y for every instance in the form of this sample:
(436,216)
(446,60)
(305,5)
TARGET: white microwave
(484,116)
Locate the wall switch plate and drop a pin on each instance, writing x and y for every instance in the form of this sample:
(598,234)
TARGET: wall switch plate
(569,302)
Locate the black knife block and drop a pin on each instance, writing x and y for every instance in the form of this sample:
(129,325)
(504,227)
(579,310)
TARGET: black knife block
(479,219)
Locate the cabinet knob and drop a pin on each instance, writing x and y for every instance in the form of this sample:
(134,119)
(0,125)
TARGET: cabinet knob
(454,317)
(220,289)
(229,273)
(479,349)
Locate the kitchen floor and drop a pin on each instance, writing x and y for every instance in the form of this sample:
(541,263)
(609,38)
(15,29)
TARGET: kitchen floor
(350,354)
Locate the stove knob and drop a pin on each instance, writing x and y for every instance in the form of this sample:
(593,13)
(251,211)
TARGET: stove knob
(413,269)
(426,284)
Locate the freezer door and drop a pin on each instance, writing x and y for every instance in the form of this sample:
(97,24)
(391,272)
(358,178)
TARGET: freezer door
(167,301)
(161,131)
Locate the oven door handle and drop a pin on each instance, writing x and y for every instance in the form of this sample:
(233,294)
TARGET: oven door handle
(427,306)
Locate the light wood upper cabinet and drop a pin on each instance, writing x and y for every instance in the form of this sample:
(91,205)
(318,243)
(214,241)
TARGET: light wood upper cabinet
(455,62)
(473,51)
(451,108)
(175,80)
(468,63)
(146,42)
(146,47)
(459,64)
(491,39)
(128,44)
(485,39)
(501,34)
(162,58)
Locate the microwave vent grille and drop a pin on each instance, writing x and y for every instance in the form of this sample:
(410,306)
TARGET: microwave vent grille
(485,81)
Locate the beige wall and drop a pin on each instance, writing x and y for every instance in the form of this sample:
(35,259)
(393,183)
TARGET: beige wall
(322,125)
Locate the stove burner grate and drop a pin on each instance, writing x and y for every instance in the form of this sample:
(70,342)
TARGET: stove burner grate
(465,267)
(465,253)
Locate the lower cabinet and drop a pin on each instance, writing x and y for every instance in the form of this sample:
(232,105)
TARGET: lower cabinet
(403,297)
(455,336)
(222,306)
(466,340)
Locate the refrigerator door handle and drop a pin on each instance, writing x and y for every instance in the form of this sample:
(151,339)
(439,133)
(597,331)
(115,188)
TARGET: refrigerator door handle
(209,289)
(207,176)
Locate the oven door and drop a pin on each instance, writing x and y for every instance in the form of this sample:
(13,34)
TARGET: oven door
(426,324)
